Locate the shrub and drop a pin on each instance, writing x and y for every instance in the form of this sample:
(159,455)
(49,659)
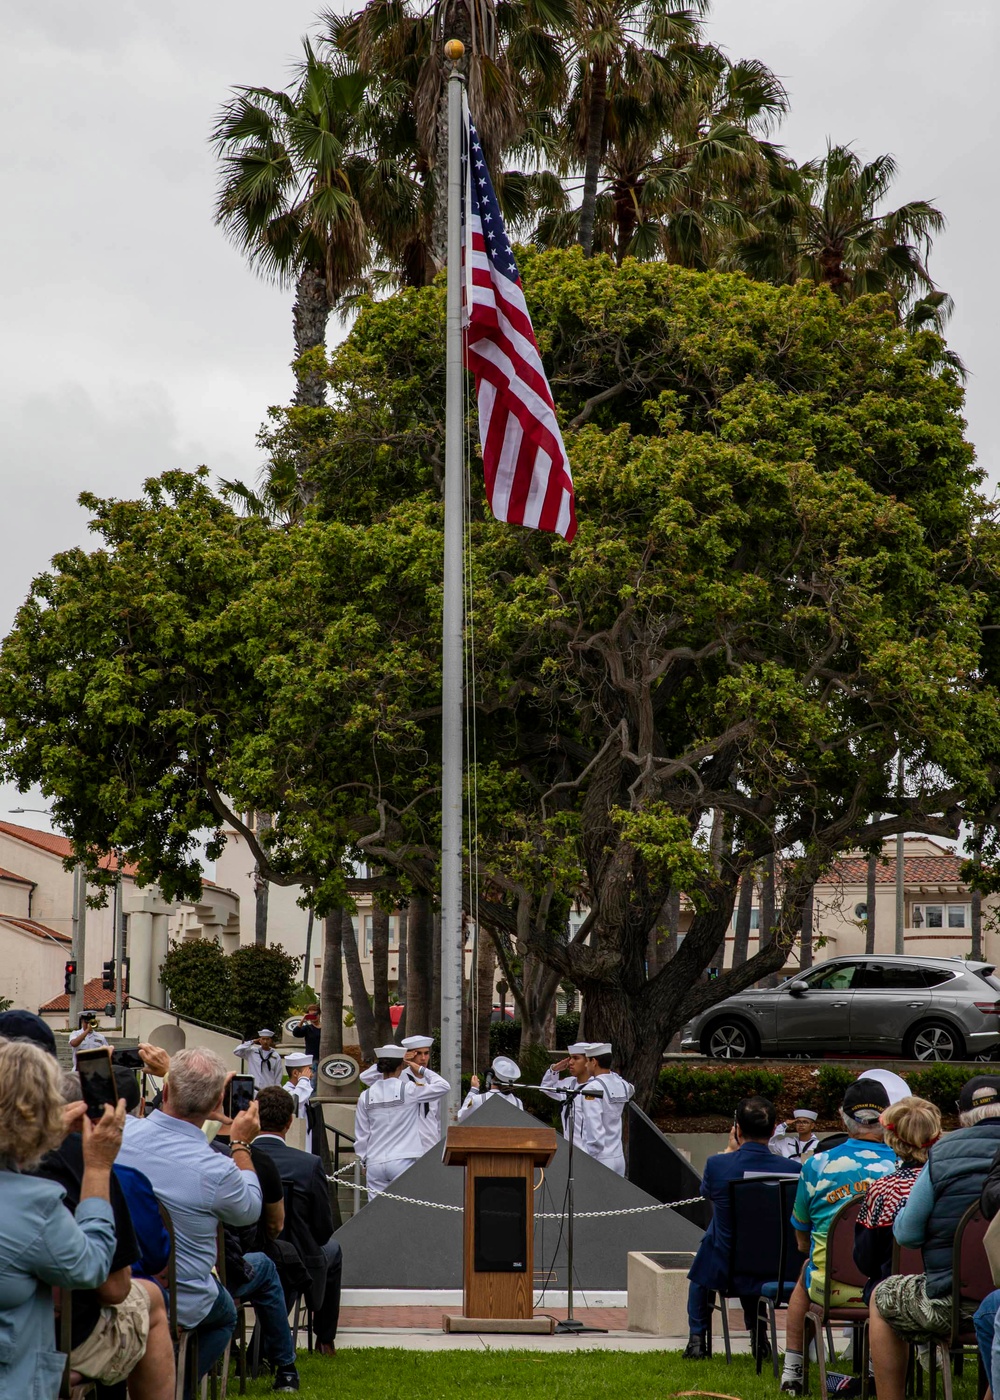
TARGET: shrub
(941,1084)
(831,1084)
(690,1092)
(505,1038)
(262,981)
(196,974)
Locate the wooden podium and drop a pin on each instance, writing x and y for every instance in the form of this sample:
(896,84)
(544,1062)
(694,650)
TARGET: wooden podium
(498,1248)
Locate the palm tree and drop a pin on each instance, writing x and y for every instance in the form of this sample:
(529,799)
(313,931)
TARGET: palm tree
(821,220)
(296,183)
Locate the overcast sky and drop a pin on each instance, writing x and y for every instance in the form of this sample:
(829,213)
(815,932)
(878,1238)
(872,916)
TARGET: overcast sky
(134,339)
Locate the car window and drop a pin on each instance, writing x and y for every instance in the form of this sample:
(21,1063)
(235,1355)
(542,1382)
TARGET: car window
(891,977)
(831,979)
(937,976)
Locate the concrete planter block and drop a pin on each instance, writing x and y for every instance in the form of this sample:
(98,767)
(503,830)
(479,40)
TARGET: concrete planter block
(657,1293)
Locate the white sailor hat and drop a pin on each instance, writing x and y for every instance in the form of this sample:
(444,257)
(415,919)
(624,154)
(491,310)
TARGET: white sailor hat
(417,1042)
(506,1069)
(581,1047)
(809,1113)
(389,1052)
(265,1035)
(298,1059)
(600,1047)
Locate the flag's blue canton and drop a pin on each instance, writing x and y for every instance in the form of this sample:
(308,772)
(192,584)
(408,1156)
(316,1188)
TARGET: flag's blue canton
(484,203)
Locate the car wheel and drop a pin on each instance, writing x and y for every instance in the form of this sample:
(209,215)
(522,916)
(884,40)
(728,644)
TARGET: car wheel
(730,1040)
(935,1041)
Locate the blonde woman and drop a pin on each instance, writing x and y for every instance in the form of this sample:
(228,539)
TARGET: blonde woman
(41,1244)
(911,1127)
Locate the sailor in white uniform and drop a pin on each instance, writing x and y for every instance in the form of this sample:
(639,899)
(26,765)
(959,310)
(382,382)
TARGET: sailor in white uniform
(262,1060)
(796,1138)
(416,1057)
(603,1116)
(87,1037)
(503,1075)
(387,1119)
(574,1111)
(300,1085)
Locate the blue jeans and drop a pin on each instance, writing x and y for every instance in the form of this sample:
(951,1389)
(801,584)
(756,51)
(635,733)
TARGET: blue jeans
(700,1300)
(263,1289)
(214,1332)
(984,1322)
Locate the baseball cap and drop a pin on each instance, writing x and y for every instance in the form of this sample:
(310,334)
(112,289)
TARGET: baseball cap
(981,1089)
(25,1025)
(864,1100)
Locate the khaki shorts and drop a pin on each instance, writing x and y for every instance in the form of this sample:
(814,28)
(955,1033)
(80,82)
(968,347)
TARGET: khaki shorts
(118,1342)
(902,1301)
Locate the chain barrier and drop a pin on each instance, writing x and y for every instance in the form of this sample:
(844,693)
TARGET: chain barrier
(539,1215)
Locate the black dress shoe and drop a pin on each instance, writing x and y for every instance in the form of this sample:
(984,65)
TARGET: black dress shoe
(697,1347)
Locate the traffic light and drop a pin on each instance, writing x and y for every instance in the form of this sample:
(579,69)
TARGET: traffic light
(69,982)
(108,976)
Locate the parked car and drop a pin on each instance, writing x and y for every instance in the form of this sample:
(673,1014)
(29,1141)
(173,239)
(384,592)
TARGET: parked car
(919,1008)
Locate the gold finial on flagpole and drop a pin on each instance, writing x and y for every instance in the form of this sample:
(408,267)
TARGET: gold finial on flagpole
(453,50)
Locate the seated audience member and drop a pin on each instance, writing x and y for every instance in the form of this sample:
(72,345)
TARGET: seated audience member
(41,1244)
(251,1271)
(828,1180)
(119,1329)
(147,1222)
(913,1307)
(309,1215)
(199,1188)
(911,1127)
(985,1318)
(747,1152)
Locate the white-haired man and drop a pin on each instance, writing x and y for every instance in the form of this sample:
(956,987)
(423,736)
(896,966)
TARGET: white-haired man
(911,1307)
(199,1187)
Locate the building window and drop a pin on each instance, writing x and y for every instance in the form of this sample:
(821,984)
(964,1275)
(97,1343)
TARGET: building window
(942,916)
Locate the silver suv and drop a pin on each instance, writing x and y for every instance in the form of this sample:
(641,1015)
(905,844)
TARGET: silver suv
(919,1008)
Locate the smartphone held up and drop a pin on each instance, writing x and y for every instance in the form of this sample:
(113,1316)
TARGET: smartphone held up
(97,1080)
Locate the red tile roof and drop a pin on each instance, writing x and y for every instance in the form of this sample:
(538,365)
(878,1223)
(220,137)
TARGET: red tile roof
(917,870)
(95,998)
(18,879)
(34,927)
(56,845)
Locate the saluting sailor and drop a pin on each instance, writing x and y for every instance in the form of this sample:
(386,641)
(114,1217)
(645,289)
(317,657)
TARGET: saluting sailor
(387,1123)
(796,1137)
(416,1059)
(262,1060)
(573,1110)
(603,1119)
(300,1086)
(504,1074)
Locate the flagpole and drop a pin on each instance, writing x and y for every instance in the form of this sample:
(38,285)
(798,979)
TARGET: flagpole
(453,622)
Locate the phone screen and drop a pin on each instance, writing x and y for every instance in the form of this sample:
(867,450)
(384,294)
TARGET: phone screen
(97,1080)
(239,1095)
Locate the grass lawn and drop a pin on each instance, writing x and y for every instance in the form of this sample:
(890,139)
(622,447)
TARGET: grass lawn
(392,1373)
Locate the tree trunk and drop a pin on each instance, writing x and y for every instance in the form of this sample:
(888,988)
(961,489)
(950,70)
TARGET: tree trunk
(364,1020)
(595,153)
(484,998)
(977,925)
(419,939)
(767,909)
(806,945)
(380,975)
(402,974)
(870,902)
(744,913)
(310,316)
(673,921)
(261,888)
(331,1031)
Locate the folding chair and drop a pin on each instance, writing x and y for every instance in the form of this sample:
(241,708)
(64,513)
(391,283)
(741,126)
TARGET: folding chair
(778,1290)
(971,1282)
(185,1342)
(83,1386)
(840,1267)
(755,1206)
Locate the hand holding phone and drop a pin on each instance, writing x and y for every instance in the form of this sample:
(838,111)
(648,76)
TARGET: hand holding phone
(238,1095)
(97,1080)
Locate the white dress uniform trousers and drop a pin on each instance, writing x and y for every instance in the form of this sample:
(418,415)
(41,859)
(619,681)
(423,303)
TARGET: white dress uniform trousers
(387,1126)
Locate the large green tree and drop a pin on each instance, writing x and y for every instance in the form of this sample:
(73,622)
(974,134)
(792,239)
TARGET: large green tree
(784,572)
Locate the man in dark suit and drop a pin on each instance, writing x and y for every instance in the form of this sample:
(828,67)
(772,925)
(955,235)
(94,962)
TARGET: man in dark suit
(747,1153)
(308,1213)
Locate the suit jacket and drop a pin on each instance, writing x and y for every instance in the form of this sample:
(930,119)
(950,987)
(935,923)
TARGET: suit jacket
(711,1263)
(308,1213)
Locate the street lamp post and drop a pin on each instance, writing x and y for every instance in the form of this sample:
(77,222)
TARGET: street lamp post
(79,924)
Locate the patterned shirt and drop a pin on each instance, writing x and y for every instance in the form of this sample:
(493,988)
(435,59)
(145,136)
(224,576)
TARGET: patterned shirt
(827,1181)
(887,1196)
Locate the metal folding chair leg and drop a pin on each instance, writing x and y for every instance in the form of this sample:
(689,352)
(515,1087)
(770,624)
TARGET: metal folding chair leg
(724,1310)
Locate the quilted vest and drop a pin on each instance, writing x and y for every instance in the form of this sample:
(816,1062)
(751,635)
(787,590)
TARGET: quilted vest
(958,1165)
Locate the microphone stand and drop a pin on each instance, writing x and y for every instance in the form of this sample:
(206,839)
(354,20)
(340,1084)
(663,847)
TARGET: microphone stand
(569,1323)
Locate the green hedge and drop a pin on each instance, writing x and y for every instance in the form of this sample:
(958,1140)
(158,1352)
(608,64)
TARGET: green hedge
(692,1092)
(505,1036)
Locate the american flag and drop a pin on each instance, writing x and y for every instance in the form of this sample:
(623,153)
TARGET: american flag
(528,479)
